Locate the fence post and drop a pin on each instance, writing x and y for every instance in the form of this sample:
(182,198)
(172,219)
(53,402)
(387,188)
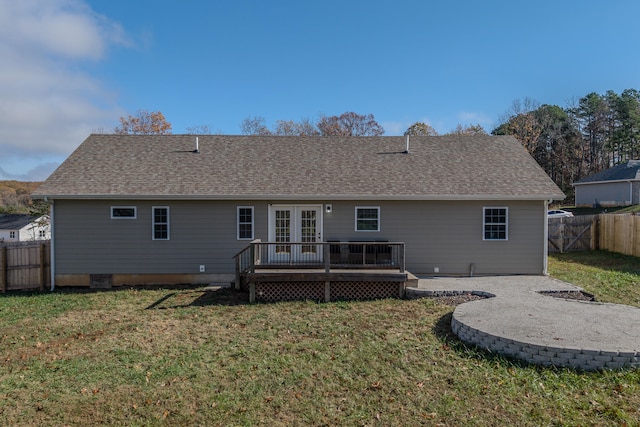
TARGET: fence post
(3,269)
(43,274)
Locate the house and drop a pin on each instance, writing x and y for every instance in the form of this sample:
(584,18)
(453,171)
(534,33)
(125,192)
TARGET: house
(21,228)
(177,208)
(616,186)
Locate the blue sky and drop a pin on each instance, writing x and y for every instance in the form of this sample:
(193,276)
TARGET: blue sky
(71,67)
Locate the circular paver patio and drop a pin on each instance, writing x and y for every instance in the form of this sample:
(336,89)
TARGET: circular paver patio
(521,322)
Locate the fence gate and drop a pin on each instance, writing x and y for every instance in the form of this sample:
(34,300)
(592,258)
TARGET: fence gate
(572,234)
(25,265)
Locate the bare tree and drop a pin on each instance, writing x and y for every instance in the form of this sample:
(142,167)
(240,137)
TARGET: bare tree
(305,127)
(144,123)
(349,124)
(254,126)
(469,130)
(200,130)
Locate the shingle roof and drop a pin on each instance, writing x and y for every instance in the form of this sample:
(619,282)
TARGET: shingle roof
(256,167)
(629,170)
(15,221)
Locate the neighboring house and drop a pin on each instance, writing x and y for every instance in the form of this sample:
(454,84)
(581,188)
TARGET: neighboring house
(616,186)
(22,228)
(168,209)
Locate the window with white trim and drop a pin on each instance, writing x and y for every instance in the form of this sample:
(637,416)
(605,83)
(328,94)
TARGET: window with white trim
(367,218)
(495,223)
(160,222)
(245,222)
(123,212)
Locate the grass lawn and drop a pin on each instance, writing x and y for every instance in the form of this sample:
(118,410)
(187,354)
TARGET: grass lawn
(188,357)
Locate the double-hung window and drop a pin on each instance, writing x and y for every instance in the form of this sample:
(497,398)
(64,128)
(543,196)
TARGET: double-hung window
(245,222)
(495,223)
(160,222)
(367,218)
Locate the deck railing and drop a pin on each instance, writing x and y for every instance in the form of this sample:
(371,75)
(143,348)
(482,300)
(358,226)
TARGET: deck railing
(321,255)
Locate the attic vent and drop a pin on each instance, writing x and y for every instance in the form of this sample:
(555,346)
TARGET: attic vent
(406,150)
(197,150)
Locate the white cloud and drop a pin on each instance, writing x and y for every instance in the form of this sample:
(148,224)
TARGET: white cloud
(48,104)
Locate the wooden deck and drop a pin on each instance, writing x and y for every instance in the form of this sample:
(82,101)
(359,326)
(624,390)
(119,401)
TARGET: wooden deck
(323,271)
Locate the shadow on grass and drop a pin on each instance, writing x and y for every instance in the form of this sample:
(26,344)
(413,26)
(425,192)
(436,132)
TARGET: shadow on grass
(442,330)
(200,298)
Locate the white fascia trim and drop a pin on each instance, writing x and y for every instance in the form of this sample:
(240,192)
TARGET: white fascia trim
(526,197)
(575,184)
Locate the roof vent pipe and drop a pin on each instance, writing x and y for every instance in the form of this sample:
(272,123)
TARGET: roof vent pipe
(407,148)
(197,150)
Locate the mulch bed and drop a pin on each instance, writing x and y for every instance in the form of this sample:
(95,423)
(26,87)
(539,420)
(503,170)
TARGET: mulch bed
(455,299)
(576,295)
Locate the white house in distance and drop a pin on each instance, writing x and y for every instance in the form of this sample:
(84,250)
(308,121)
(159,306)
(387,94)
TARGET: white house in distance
(616,186)
(23,228)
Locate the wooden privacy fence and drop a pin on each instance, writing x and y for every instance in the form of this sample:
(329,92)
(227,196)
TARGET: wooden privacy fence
(25,265)
(620,233)
(577,233)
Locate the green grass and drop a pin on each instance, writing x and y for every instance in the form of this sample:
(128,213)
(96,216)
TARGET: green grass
(610,277)
(147,357)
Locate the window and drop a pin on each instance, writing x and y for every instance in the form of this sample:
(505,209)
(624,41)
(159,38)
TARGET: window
(160,223)
(123,212)
(495,223)
(42,234)
(245,222)
(12,234)
(367,218)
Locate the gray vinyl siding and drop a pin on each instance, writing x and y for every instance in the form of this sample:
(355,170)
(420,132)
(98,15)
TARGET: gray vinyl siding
(447,235)
(88,241)
(611,193)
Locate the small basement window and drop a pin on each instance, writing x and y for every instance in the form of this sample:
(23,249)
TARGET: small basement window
(123,212)
(495,223)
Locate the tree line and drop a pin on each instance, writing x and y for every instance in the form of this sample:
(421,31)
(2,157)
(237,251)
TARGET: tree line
(591,134)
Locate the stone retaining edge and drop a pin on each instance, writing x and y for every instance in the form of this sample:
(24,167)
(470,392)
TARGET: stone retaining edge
(582,359)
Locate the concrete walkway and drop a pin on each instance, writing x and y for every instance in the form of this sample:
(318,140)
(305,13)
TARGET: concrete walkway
(521,322)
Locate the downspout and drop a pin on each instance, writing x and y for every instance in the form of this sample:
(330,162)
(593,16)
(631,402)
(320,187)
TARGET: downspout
(630,192)
(52,255)
(545,242)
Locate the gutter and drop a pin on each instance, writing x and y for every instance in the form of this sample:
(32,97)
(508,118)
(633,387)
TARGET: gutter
(313,197)
(52,262)
(604,182)
(545,241)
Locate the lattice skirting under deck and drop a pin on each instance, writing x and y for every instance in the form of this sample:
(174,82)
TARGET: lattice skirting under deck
(315,291)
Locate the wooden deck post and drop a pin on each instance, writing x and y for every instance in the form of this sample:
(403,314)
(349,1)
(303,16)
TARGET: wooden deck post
(327,257)
(252,292)
(327,291)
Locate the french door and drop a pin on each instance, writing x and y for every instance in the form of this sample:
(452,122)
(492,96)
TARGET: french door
(299,224)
